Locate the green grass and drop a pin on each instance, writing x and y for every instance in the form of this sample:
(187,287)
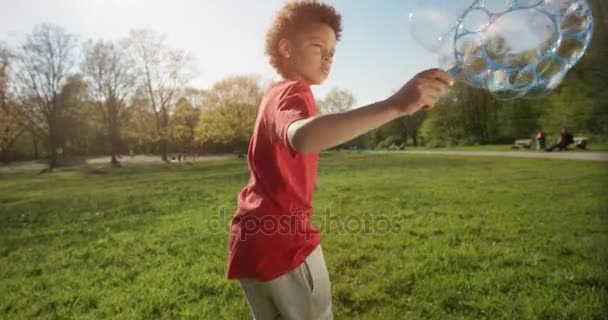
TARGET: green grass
(404,236)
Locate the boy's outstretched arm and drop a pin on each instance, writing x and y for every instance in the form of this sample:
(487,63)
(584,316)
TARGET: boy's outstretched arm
(326,131)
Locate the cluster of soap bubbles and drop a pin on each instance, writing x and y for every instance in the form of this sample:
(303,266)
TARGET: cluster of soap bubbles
(512,48)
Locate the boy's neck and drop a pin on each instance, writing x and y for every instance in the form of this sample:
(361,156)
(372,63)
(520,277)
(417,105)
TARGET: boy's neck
(295,77)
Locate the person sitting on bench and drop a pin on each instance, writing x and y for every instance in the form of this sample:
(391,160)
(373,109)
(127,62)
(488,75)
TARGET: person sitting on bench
(565,139)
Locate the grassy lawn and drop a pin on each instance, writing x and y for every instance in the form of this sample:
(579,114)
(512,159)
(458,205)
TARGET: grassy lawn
(405,237)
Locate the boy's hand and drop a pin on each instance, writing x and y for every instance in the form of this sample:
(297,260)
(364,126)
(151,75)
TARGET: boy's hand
(422,91)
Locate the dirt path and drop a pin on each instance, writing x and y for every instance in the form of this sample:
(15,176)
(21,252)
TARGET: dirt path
(96,161)
(581,156)
(150,159)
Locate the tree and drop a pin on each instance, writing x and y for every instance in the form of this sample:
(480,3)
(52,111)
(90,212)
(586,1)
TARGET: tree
(196,97)
(412,124)
(185,120)
(518,118)
(111,78)
(80,126)
(140,125)
(340,100)
(164,73)
(44,62)
(443,125)
(337,100)
(603,13)
(10,130)
(232,107)
(580,103)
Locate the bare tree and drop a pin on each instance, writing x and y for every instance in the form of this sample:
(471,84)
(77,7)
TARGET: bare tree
(6,58)
(196,97)
(164,74)
(44,62)
(10,129)
(111,79)
(337,100)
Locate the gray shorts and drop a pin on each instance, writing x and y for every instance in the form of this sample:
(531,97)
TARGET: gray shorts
(302,294)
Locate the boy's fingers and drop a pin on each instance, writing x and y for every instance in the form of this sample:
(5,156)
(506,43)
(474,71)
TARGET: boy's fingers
(440,75)
(432,88)
(444,77)
(437,85)
(429,73)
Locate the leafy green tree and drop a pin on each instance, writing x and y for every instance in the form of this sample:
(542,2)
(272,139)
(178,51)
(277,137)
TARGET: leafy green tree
(185,120)
(232,106)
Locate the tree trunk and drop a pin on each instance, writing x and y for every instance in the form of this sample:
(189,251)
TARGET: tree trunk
(53,142)
(191,142)
(5,153)
(114,149)
(114,161)
(35,144)
(163,150)
(163,136)
(602,13)
(54,157)
(113,133)
(5,156)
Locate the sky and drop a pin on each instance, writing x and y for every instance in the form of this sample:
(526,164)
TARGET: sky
(376,55)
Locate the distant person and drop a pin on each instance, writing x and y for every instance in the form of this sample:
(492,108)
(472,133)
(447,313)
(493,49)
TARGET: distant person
(540,140)
(273,249)
(565,139)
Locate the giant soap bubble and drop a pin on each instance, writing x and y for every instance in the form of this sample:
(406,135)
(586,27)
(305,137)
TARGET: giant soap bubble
(512,48)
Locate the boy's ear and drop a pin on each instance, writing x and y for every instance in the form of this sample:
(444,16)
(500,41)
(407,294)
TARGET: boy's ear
(285,48)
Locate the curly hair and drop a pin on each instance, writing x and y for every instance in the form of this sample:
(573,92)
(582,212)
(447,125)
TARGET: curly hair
(294,16)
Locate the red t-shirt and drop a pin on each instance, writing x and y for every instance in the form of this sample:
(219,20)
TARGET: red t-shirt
(271,234)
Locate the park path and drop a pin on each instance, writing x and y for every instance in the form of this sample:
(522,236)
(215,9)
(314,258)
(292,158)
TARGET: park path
(581,156)
(144,159)
(96,161)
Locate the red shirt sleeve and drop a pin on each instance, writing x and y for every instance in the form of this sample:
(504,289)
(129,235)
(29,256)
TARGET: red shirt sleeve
(295,106)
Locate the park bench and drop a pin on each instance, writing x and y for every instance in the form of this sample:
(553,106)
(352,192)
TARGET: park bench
(522,143)
(395,147)
(581,142)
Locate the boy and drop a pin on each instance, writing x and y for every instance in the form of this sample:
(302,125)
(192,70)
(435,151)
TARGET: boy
(274,252)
